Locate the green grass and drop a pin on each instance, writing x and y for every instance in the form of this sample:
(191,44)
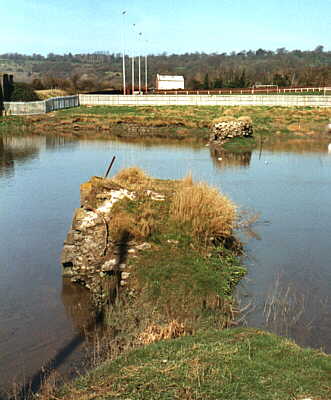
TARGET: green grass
(238,364)
(266,119)
(13,125)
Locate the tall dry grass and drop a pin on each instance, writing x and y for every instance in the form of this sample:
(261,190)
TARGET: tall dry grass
(132,178)
(209,213)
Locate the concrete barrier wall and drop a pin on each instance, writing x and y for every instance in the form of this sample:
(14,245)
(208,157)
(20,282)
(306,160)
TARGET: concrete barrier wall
(40,107)
(21,108)
(206,100)
(58,103)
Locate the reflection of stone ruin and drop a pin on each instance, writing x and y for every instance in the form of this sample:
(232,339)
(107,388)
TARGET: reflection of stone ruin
(226,128)
(223,158)
(78,305)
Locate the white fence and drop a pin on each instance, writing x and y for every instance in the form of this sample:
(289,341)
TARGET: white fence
(206,100)
(58,103)
(40,107)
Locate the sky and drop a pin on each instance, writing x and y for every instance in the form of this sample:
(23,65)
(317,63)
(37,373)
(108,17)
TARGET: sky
(171,26)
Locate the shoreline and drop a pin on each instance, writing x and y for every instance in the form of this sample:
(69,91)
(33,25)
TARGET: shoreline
(174,122)
(164,339)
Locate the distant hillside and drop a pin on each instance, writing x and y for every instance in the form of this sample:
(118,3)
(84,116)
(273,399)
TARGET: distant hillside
(201,71)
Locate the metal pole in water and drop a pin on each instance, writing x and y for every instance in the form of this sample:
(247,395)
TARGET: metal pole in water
(110,165)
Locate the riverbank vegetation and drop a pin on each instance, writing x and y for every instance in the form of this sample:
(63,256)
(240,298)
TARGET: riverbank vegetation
(165,334)
(238,364)
(172,122)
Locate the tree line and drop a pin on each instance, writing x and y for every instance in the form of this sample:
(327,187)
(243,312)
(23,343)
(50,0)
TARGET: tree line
(242,69)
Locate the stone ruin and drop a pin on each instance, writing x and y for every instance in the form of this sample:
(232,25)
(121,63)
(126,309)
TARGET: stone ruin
(226,128)
(90,255)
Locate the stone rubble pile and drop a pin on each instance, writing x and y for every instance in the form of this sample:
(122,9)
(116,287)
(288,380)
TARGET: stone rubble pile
(225,129)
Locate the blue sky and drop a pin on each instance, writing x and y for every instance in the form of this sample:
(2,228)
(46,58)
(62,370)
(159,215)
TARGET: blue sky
(172,26)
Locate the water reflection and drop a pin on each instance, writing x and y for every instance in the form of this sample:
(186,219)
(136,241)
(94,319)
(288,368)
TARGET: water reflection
(57,142)
(20,149)
(297,145)
(78,305)
(16,149)
(228,159)
(292,309)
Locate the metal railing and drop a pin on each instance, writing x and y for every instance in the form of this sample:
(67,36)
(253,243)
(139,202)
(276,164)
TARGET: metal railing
(40,107)
(265,90)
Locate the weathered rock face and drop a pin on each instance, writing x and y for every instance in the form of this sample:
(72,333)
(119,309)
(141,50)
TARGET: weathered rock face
(224,129)
(89,253)
(95,252)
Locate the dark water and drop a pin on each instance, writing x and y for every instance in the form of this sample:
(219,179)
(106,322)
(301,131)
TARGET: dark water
(288,250)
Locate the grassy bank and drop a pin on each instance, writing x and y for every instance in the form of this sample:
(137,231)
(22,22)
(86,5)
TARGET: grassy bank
(176,122)
(14,125)
(238,364)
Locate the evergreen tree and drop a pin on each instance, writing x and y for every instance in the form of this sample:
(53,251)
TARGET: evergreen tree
(206,82)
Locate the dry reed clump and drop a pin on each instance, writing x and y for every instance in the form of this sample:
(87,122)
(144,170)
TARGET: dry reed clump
(145,223)
(121,224)
(133,176)
(155,333)
(139,226)
(230,111)
(209,213)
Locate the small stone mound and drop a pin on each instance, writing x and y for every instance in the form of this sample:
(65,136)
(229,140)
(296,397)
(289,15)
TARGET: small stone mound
(226,128)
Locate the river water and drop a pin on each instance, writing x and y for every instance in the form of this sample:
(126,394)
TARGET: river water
(288,286)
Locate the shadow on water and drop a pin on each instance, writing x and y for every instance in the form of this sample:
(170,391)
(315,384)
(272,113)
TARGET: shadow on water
(87,319)
(41,376)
